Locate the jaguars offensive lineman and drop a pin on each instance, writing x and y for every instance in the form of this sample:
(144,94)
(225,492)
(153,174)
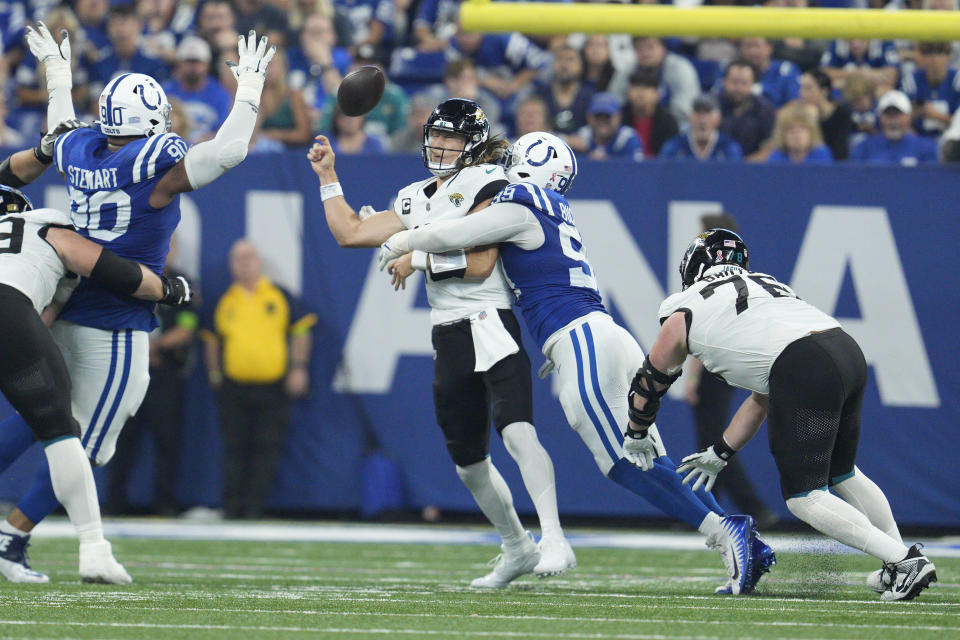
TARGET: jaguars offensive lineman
(544,260)
(808,378)
(37,247)
(124,177)
(480,360)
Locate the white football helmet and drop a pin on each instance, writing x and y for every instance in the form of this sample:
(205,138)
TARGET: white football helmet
(134,104)
(543,159)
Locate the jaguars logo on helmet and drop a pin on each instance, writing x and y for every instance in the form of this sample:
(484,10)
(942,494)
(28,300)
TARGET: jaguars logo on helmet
(13,200)
(710,248)
(463,118)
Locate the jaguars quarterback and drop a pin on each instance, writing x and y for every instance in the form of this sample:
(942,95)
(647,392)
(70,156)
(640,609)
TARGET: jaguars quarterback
(480,361)
(124,175)
(545,262)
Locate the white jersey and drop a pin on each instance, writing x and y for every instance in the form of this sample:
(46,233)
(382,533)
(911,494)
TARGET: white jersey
(423,202)
(739,322)
(27,262)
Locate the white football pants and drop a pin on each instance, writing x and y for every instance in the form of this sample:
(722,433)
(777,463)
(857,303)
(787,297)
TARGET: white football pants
(110,373)
(595,361)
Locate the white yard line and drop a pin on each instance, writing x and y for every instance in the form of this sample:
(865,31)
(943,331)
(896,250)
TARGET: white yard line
(436,534)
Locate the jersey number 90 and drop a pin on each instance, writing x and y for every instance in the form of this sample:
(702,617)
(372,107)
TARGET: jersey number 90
(580,276)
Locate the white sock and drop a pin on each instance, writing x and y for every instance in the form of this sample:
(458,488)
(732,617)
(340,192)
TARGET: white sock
(536,468)
(866,496)
(6,527)
(710,524)
(493,497)
(832,516)
(74,487)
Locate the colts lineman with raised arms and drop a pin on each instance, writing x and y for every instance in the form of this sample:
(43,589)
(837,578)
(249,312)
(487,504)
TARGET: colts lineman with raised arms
(36,249)
(124,177)
(544,260)
(480,360)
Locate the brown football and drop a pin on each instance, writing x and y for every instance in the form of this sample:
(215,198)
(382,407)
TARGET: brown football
(361,90)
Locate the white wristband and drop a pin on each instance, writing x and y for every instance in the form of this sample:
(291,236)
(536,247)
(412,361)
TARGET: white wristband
(419,260)
(332,190)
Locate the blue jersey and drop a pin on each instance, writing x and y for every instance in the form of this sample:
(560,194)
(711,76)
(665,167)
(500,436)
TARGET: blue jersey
(554,284)
(109,203)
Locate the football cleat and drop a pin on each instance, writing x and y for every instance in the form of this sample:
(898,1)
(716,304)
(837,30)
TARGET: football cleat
(880,579)
(510,565)
(734,543)
(13,560)
(556,557)
(911,575)
(97,564)
(763,559)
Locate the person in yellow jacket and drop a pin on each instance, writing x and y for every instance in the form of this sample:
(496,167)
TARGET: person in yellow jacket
(257,358)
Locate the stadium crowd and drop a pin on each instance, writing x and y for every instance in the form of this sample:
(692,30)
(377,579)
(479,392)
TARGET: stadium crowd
(612,97)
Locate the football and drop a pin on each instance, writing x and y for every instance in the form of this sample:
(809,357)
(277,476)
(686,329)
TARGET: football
(361,90)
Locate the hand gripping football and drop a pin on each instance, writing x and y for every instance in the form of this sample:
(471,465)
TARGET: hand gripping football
(361,90)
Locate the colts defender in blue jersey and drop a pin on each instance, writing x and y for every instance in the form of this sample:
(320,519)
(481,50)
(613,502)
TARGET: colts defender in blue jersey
(543,257)
(124,175)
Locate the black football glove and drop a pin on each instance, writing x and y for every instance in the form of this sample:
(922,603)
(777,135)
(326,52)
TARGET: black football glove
(176,291)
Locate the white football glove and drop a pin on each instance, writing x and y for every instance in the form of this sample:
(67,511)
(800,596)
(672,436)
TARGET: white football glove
(395,246)
(49,139)
(703,465)
(640,451)
(55,57)
(251,71)
(366,211)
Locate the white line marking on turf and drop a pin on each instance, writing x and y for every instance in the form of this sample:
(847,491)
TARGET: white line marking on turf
(430,632)
(521,618)
(420,534)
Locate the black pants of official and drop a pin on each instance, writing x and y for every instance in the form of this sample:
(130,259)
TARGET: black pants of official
(465,400)
(712,416)
(33,375)
(253,420)
(816,395)
(160,416)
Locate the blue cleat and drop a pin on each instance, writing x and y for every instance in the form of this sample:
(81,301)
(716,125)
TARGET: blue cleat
(13,560)
(763,559)
(735,544)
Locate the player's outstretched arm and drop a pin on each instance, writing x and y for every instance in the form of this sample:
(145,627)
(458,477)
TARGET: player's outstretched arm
(348,229)
(23,167)
(207,161)
(121,276)
(55,58)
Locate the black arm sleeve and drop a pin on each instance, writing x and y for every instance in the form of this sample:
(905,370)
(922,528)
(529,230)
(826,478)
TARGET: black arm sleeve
(117,274)
(488,191)
(8,177)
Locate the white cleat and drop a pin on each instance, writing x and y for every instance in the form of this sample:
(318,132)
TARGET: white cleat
(14,565)
(97,564)
(556,557)
(880,579)
(912,575)
(510,565)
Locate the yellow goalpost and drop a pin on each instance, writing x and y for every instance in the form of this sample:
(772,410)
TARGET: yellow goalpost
(547,18)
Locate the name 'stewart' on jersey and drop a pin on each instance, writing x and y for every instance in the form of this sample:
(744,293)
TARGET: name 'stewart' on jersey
(92,178)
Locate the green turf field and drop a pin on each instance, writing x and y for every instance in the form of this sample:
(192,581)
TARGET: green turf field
(245,590)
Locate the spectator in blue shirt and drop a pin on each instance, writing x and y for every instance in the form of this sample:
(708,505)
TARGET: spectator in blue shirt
(703,141)
(347,136)
(797,138)
(566,97)
(507,62)
(895,144)
(92,15)
(933,87)
(747,118)
(205,102)
(879,59)
(317,62)
(434,24)
(370,22)
(779,80)
(604,137)
(123,29)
